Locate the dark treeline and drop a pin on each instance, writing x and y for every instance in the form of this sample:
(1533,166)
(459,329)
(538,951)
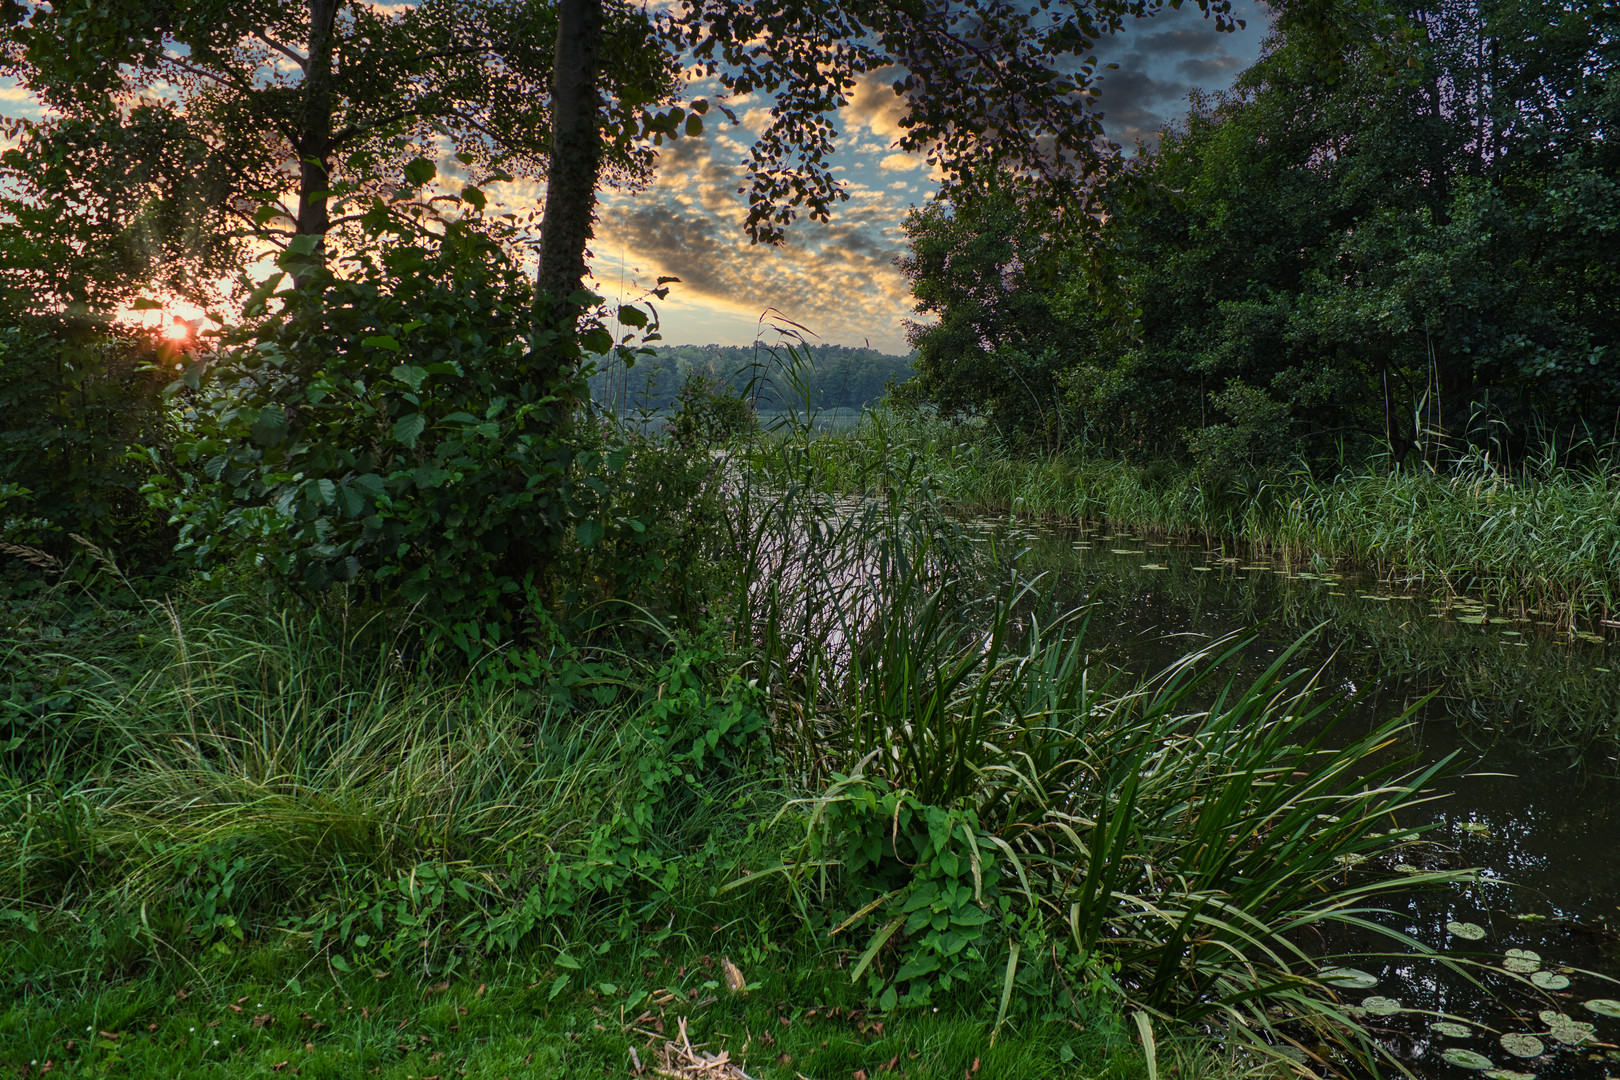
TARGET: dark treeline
(837,377)
(1406,247)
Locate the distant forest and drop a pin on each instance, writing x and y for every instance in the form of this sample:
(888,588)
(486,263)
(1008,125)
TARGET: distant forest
(840,377)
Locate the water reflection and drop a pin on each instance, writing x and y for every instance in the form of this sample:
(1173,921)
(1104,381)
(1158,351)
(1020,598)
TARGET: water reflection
(1532,713)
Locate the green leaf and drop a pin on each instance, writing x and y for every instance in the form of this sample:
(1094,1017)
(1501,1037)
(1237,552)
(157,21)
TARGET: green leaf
(588,533)
(694,125)
(408,428)
(632,316)
(141,303)
(420,171)
(474,197)
(269,427)
(409,374)
(380,341)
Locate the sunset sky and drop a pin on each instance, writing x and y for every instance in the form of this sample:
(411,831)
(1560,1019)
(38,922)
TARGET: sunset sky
(838,279)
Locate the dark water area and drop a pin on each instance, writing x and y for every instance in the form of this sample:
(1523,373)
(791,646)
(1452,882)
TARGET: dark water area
(1530,714)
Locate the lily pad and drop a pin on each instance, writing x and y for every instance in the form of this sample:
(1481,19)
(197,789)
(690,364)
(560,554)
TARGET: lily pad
(1478,828)
(1509,1074)
(1523,961)
(1521,1045)
(1550,980)
(1451,1028)
(1572,1032)
(1381,1006)
(1154,566)
(1466,930)
(1126,551)
(1348,978)
(1467,1059)
(1605,1007)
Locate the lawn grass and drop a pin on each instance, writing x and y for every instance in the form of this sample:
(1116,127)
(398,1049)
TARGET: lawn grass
(269,1012)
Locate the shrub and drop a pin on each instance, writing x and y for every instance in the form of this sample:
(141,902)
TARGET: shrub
(76,395)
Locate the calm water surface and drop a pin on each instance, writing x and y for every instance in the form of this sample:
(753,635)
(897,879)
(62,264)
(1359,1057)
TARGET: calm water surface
(1531,713)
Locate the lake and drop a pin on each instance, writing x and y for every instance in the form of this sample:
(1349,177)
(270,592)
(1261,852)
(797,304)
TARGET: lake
(1528,709)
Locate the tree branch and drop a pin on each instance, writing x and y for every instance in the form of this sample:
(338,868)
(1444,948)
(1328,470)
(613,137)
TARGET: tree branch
(303,65)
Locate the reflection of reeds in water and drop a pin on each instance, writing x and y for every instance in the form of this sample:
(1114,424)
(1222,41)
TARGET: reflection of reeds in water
(1543,535)
(1494,673)
(1201,847)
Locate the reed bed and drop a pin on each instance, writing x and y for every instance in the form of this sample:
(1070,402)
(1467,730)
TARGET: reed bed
(1543,535)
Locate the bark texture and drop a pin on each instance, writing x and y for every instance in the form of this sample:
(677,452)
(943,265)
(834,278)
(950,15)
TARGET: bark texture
(315,126)
(576,161)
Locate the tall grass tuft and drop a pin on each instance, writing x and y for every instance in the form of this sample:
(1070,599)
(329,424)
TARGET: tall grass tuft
(1197,836)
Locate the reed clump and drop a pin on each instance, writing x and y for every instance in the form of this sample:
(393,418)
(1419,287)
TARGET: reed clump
(1544,534)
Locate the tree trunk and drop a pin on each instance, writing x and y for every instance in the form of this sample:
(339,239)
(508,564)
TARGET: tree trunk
(576,157)
(315,129)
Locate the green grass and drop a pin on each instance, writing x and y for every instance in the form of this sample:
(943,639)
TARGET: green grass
(269,1013)
(1541,535)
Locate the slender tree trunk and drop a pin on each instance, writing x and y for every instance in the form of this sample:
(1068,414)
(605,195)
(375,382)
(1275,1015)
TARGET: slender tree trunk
(576,159)
(315,126)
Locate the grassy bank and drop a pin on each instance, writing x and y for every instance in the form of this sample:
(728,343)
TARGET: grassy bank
(882,778)
(1541,535)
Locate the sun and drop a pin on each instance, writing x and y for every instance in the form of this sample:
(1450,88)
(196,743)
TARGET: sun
(177,330)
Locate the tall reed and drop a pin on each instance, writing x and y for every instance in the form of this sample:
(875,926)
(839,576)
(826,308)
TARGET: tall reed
(1544,534)
(1193,830)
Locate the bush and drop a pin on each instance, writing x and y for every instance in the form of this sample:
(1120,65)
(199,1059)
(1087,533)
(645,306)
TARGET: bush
(386,428)
(76,395)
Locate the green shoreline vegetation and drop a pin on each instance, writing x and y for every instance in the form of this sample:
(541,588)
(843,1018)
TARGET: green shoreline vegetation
(222,796)
(1542,537)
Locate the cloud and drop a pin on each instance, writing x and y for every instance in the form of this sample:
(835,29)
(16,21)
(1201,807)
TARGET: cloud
(1164,59)
(900,162)
(874,105)
(837,277)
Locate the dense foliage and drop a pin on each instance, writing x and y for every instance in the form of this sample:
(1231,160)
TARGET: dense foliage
(1318,268)
(75,395)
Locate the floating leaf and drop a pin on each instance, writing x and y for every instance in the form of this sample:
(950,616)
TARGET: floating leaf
(1348,978)
(1154,566)
(1466,930)
(1548,980)
(1521,1045)
(1381,1006)
(1478,828)
(1523,961)
(1572,1032)
(1451,1028)
(1509,1074)
(1605,1007)
(1126,551)
(1407,868)
(1467,1059)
